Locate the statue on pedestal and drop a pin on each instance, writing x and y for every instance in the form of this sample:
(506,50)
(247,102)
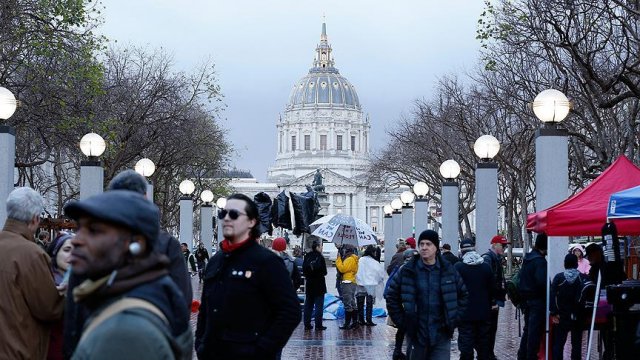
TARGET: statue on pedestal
(317,182)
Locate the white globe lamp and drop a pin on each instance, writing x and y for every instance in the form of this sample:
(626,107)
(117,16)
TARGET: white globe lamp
(206,196)
(421,189)
(486,147)
(92,145)
(145,167)
(8,103)
(187,187)
(450,169)
(551,106)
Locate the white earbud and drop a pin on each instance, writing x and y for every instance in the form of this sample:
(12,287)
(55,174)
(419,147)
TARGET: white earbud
(135,249)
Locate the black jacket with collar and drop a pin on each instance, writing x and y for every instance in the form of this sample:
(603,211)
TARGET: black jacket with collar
(249,308)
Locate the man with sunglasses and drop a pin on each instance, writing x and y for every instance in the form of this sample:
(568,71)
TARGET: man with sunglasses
(494,257)
(249,308)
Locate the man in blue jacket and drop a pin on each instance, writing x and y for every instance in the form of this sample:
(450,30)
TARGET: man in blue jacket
(533,289)
(426,298)
(249,307)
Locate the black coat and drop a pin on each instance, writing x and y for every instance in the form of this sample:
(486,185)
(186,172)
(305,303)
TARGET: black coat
(314,275)
(450,257)
(533,276)
(481,285)
(249,308)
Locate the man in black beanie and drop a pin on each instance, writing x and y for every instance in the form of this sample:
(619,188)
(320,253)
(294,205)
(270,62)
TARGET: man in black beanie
(533,288)
(426,298)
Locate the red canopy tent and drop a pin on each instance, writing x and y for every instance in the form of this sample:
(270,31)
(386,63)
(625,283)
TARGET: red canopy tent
(584,213)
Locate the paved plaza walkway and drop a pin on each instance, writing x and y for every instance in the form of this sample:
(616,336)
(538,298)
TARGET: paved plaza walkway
(377,342)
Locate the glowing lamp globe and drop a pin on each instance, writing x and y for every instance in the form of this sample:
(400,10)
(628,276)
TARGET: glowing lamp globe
(407,197)
(206,196)
(8,103)
(221,203)
(551,106)
(450,169)
(92,145)
(396,204)
(486,147)
(388,210)
(421,189)
(145,167)
(187,187)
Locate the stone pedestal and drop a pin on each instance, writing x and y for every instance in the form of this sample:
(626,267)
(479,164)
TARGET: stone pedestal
(7,167)
(206,226)
(450,214)
(186,221)
(486,203)
(91,178)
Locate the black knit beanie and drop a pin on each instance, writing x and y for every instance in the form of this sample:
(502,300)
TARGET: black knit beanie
(431,236)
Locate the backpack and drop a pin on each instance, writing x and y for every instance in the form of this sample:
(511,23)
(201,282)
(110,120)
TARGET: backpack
(586,296)
(512,289)
(294,274)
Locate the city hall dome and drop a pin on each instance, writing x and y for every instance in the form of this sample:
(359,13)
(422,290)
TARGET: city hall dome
(323,86)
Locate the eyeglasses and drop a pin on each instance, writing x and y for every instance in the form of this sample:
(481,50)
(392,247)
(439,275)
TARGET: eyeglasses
(233,214)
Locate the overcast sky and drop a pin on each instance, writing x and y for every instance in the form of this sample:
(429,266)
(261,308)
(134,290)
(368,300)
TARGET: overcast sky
(393,52)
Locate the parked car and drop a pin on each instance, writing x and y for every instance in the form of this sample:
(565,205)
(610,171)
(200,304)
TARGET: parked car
(329,251)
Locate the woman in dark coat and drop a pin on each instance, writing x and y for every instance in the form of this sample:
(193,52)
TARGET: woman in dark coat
(314,269)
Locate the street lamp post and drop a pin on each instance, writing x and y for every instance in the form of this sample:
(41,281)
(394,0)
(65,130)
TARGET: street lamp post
(552,171)
(486,148)
(220,204)
(186,212)
(8,106)
(389,240)
(92,146)
(146,168)
(206,219)
(407,198)
(421,207)
(450,171)
(396,205)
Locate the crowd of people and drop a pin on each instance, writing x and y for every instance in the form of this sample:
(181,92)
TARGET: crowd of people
(120,287)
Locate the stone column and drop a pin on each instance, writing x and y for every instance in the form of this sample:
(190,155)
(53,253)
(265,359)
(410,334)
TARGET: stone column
(206,226)
(450,213)
(91,178)
(389,240)
(186,221)
(407,221)
(7,167)
(486,202)
(421,215)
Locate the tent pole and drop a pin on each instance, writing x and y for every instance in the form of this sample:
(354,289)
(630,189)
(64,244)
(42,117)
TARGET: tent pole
(593,315)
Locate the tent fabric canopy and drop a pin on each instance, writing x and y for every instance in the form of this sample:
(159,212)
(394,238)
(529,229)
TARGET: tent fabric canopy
(625,204)
(584,213)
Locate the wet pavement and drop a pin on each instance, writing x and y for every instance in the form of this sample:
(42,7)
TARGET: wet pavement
(377,342)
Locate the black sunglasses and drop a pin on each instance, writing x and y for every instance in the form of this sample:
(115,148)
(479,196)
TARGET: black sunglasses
(233,214)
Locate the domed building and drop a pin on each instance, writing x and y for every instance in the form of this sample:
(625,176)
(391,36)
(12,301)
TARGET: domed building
(324,128)
(323,125)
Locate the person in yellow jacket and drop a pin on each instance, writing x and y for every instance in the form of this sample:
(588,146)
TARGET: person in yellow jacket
(347,265)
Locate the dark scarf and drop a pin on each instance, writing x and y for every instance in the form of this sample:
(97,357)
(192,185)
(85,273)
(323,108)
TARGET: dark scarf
(119,281)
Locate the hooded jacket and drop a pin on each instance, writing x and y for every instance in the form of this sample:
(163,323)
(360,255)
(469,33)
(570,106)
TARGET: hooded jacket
(533,276)
(479,281)
(136,333)
(348,267)
(402,296)
(565,290)
(29,300)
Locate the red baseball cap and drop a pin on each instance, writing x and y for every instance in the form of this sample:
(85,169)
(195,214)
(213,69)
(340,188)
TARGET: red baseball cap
(411,242)
(279,244)
(499,239)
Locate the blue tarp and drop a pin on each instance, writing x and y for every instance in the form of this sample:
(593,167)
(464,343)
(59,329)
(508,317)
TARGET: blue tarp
(334,309)
(624,204)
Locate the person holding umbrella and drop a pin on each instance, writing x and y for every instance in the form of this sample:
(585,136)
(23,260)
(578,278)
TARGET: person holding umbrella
(347,265)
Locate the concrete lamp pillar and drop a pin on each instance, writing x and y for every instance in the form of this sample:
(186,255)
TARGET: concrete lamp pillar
(7,167)
(450,171)
(450,213)
(186,220)
(552,174)
(8,105)
(407,221)
(91,178)
(220,204)
(396,219)
(187,187)
(486,202)
(206,226)
(421,214)
(389,240)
